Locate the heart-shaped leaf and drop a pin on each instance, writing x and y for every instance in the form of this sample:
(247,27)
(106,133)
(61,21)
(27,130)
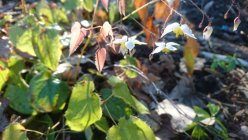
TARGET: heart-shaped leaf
(84,106)
(131,129)
(100,58)
(77,36)
(15,131)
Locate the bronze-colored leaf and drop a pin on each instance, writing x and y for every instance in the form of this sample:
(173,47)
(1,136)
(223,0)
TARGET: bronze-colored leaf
(162,9)
(100,58)
(151,31)
(143,13)
(191,50)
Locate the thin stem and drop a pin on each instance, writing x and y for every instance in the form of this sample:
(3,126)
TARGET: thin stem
(137,10)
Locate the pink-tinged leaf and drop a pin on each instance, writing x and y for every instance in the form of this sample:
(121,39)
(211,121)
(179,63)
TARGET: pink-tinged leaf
(237,22)
(105,4)
(77,36)
(107,30)
(100,58)
(122,7)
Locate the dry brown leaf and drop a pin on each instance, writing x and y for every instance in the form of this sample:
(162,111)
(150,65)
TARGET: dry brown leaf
(122,7)
(143,13)
(191,50)
(101,17)
(77,36)
(162,11)
(100,58)
(151,31)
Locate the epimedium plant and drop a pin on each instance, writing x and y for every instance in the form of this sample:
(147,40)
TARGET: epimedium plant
(39,89)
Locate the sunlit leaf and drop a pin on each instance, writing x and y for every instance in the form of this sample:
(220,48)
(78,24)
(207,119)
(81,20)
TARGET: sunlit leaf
(47,47)
(84,107)
(191,50)
(162,10)
(114,107)
(120,90)
(47,93)
(105,4)
(77,36)
(214,109)
(199,133)
(15,131)
(131,129)
(122,7)
(208,121)
(22,39)
(143,13)
(237,22)
(4,74)
(106,30)
(100,58)
(88,5)
(151,31)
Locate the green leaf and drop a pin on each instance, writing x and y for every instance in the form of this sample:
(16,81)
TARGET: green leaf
(15,131)
(84,106)
(201,112)
(4,74)
(114,106)
(71,4)
(131,129)
(214,109)
(47,47)
(47,94)
(19,99)
(113,12)
(120,90)
(102,125)
(199,133)
(22,39)
(88,5)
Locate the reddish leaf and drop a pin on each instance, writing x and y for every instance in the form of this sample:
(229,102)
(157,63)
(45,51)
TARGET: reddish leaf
(105,4)
(122,7)
(77,36)
(162,11)
(106,30)
(151,32)
(143,13)
(191,50)
(100,58)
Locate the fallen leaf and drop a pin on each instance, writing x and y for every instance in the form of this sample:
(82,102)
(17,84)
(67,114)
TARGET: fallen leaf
(191,50)
(122,7)
(143,13)
(151,31)
(77,36)
(100,58)
(105,4)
